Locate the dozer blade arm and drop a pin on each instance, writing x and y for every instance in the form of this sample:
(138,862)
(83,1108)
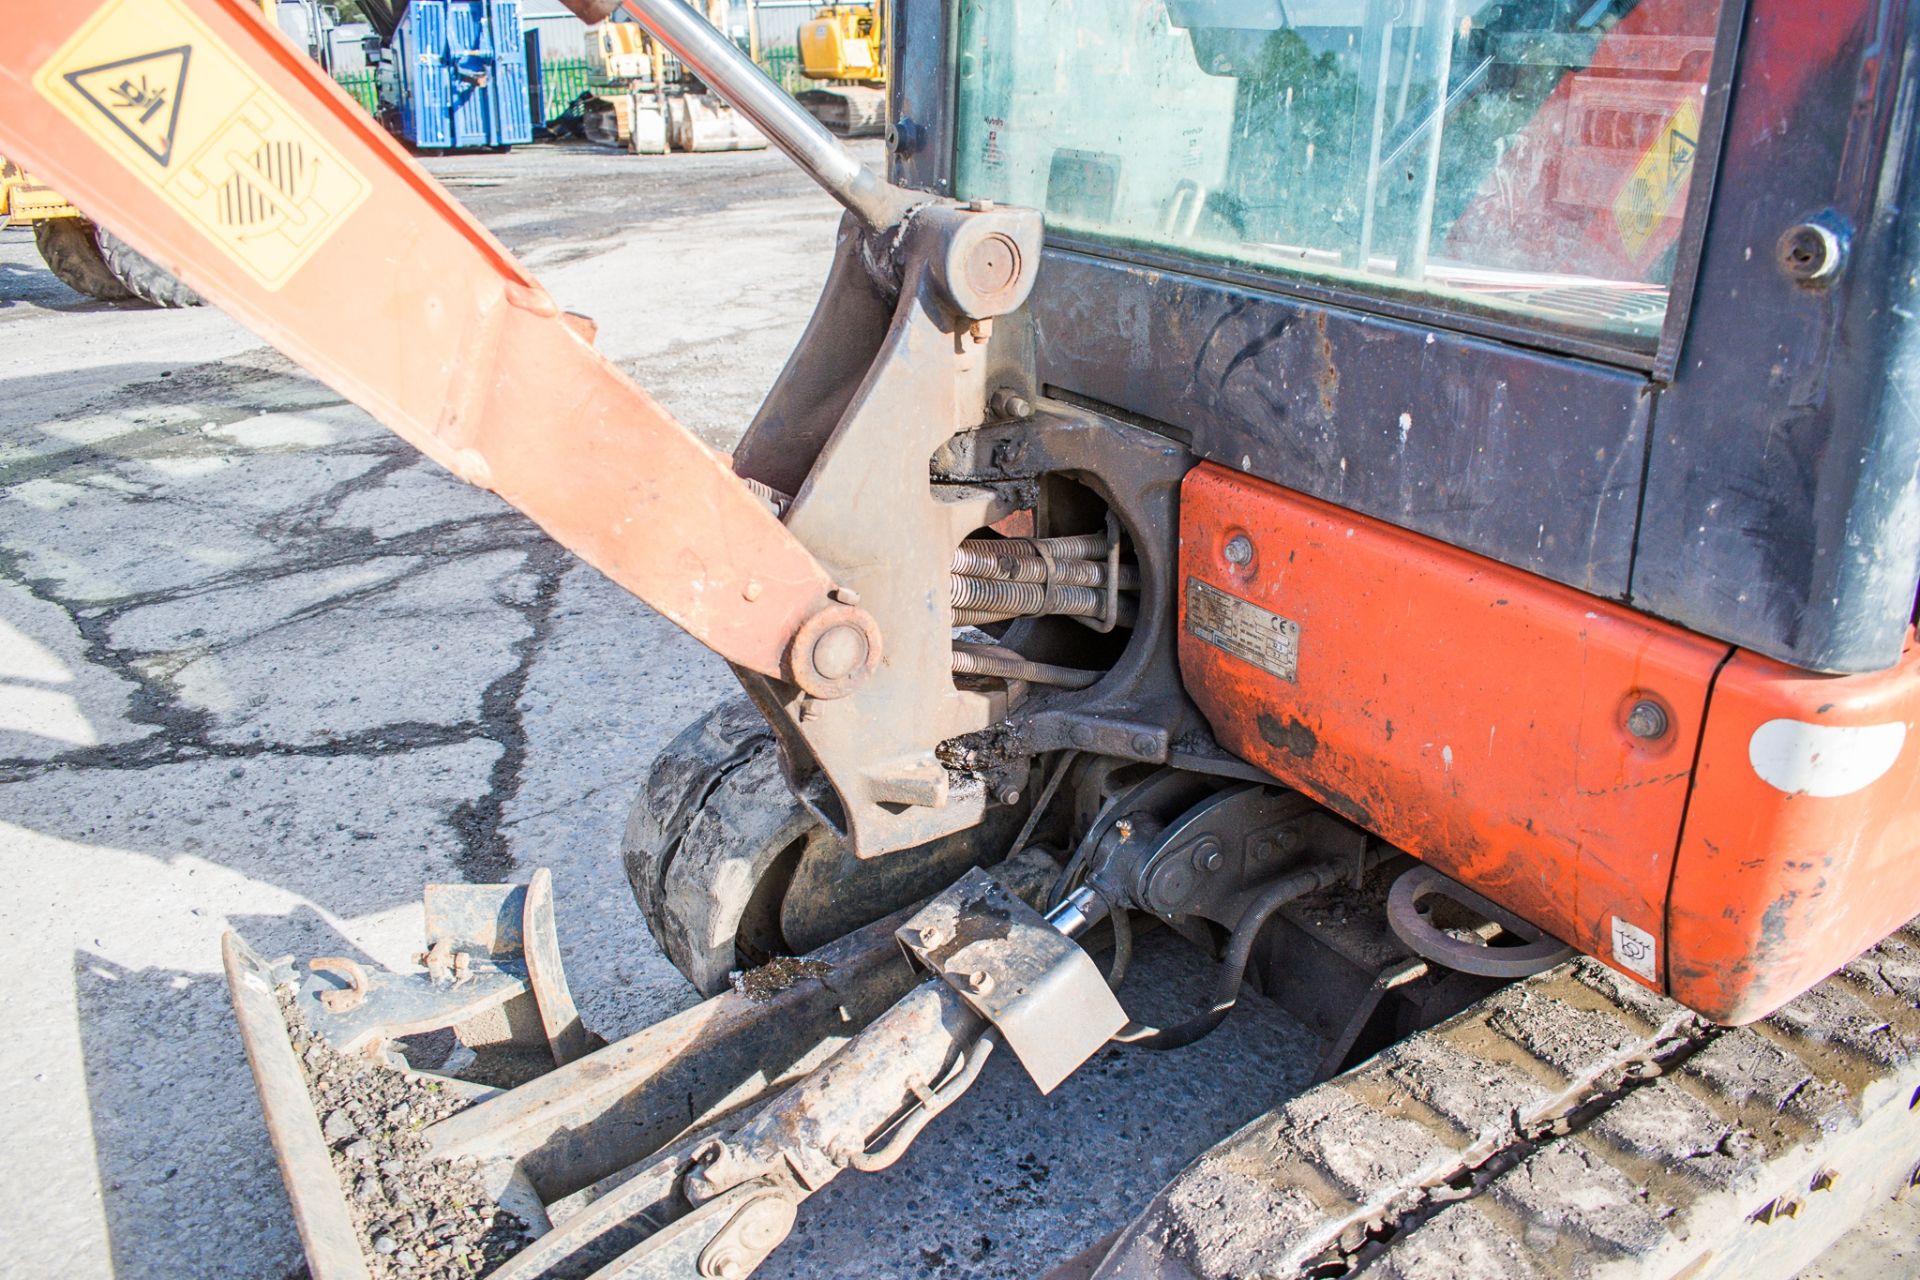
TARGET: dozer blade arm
(195,131)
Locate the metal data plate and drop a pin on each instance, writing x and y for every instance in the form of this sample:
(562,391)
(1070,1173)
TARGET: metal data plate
(1244,629)
(1044,994)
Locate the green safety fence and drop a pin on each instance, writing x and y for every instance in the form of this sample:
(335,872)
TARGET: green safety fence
(783,68)
(360,85)
(563,80)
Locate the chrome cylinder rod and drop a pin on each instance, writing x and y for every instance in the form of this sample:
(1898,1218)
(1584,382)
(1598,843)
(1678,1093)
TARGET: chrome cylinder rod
(720,63)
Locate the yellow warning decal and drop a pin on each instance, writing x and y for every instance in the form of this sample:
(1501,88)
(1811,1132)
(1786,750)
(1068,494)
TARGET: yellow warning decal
(186,116)
(1659,181)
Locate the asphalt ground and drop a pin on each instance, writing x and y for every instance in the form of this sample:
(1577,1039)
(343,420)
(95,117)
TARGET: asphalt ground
(262,667)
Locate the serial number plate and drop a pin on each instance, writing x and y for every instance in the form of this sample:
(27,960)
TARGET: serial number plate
(1244,629)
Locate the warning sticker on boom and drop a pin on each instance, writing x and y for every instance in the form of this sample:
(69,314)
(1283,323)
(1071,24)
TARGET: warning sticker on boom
(189,119)
(1244,629)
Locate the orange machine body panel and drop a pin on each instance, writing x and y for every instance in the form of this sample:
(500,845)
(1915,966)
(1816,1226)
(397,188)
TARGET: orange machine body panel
(1802,843)
(1479,717)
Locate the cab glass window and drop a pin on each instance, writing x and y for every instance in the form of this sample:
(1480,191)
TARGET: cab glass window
(1525,158)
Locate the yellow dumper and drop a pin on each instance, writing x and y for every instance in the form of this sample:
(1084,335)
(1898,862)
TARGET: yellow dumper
(85,256)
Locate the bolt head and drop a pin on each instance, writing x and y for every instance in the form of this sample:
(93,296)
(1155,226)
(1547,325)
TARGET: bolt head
(980,982)
(846,595)
(1144,744)
(752,591)
(1008,795)
(1017,407)
(1083,735)
(1239,550)
(1647,720)
(1207,855)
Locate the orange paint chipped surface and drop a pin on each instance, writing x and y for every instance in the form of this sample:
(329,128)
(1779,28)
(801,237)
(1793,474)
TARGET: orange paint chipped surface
(1473,714)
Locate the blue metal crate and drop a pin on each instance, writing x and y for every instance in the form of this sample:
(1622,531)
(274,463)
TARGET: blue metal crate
(461,75)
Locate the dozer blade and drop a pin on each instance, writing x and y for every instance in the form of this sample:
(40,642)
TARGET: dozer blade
(591,1152)
(705,122)
(849,110)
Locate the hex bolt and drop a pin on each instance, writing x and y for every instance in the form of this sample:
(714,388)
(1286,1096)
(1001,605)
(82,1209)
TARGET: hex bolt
(1207,855)
(931,937)
(979,206)
(980,982)
(751,591)
(905,136)
(846,595)
(1008,795)
(1145,745)
(1647,720)
(1009,404)
(1239,550)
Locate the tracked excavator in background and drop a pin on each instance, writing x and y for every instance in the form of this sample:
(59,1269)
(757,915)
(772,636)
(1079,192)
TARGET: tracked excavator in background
(843,47)
(1459,457)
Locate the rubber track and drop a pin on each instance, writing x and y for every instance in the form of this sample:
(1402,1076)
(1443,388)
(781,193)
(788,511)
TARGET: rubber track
(1572,1124)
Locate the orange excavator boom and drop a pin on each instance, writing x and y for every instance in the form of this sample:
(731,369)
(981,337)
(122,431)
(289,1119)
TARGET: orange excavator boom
(225,155)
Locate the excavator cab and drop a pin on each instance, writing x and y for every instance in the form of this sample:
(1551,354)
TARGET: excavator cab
(1415,496)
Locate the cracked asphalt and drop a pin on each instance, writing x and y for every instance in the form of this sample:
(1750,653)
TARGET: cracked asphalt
(263,667)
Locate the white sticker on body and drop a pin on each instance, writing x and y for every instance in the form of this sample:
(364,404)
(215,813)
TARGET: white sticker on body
(1635,950)
(1824,760)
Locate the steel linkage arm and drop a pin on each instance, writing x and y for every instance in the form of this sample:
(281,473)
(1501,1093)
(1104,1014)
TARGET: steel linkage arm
(198,133)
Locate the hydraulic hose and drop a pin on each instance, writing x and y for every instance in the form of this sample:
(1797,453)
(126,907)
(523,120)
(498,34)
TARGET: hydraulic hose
(1077,546)
(1029,599)
(1233,968)
(985,660)
(1007,564)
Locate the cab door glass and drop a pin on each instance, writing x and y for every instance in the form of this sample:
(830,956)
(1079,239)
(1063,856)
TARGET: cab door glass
(1528,159)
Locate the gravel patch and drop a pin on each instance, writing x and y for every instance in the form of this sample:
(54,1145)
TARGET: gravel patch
(419,1217)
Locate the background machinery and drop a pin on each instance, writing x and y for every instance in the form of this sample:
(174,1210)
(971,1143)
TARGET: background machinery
(86,257)
(1420,500)
(844,46)
(644,99)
